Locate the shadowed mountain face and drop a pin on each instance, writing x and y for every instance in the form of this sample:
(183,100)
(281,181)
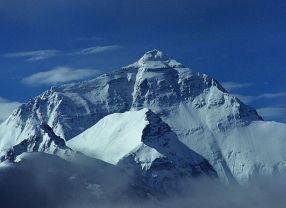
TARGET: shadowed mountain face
(205,118)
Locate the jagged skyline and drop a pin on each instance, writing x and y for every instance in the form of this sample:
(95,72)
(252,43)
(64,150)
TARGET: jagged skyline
(240,44)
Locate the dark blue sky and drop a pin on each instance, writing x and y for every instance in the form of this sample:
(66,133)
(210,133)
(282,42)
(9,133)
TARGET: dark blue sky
(239,42)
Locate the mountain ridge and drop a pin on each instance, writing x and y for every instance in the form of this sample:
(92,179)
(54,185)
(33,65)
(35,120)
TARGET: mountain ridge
(197,108)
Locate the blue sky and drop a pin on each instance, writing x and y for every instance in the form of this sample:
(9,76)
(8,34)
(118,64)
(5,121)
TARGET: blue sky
(240,43)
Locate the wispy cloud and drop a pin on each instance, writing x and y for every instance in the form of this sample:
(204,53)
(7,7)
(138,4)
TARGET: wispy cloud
(6,108)
(38,55)
(97,49)
(251,98)
(231,86)
(273,113)
(59,75)
(33,55)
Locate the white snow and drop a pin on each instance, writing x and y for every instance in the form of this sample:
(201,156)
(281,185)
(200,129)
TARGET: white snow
(112,137)
(207,119)
(258,149)
(140,139)
(239,151)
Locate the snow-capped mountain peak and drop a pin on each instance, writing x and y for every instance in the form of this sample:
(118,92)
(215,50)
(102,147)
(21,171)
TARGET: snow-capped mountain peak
(155,59)
(140,141)
(154,55)
(203,115)
(122,134)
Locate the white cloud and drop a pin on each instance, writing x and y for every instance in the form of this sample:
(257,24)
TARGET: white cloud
(272,95)
(45,54)
(231,86)
(97,49)
(251,98)
(273,113)
(33,55)
(6,108)
(59,75)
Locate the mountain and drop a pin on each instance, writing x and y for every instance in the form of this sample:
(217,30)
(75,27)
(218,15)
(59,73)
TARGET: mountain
(140,142)
(43,141)
(234,139)
(37,167)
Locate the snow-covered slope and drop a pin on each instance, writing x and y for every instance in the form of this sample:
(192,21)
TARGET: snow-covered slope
(140,134)
(112,137)
(140,141)
(43,141)
(204,116)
